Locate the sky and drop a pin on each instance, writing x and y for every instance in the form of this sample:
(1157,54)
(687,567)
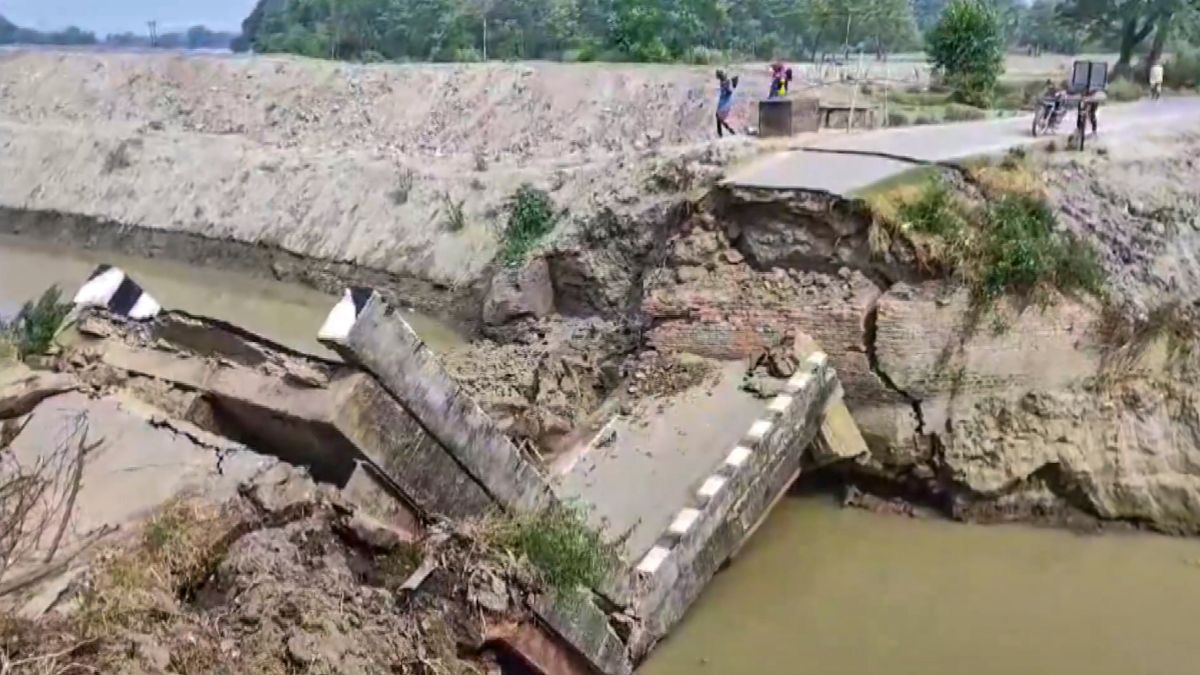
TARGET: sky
(118,16)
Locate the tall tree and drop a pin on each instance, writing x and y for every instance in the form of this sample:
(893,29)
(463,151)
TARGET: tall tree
(967,47)
(1128,22)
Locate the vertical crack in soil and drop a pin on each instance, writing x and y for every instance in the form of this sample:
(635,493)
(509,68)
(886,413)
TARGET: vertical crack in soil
(870,332)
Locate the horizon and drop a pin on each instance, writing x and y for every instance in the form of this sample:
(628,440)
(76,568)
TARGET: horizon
(121,16)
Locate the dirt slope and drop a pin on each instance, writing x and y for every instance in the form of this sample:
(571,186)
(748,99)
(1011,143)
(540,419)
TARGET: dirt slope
(345,163)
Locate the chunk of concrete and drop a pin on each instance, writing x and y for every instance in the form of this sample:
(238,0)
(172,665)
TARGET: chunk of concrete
(839,437)
(519,293)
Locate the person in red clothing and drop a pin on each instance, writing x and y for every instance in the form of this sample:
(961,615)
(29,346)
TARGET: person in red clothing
(781,77)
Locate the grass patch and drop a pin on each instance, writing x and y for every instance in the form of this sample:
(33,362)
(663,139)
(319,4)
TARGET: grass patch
(961,112)
(531,216)
(1124,89)
(918,98)
(934,211)
(33,330)
(134,588)
(567,552)
(1008,245)
(453,218)
(404,186)
(1013,174)
(1020,252)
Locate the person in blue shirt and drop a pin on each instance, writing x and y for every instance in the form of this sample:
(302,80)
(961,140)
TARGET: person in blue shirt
(725,102)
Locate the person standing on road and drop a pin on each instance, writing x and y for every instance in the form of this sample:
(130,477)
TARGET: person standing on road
(781,77)
(1094,98)
(725,102)
(1156,80)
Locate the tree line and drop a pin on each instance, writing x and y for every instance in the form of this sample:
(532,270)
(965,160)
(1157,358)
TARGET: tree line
(196,37)
(637,30)
(689,30)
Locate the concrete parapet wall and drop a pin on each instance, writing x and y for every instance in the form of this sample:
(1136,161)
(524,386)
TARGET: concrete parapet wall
(386,346)
(730,503)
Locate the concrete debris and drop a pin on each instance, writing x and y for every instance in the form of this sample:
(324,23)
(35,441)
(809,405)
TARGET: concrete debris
(519,293)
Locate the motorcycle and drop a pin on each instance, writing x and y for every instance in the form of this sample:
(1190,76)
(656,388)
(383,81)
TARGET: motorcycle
(1049,114)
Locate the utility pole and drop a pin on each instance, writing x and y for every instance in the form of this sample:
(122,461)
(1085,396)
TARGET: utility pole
(153,26)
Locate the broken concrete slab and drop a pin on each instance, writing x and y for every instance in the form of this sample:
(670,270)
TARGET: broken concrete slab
(577,620)
(21,389)
(334,430)
(382,342)
(106,465)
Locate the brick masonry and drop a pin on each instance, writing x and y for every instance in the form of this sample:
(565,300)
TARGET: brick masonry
(718,326)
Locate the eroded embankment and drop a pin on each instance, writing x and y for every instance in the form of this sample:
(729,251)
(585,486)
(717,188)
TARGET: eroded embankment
(404,170)
(1017,409)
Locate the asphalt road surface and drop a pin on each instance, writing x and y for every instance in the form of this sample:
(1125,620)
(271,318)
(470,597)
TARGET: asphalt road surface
(811,169)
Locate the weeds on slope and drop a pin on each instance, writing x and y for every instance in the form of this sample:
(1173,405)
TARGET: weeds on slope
(567,552)
(33,330)
(1008,245)
(531,216)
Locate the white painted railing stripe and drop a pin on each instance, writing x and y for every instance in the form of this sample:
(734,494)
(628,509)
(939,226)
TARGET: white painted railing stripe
(684,521)
(653,559)
(737,456)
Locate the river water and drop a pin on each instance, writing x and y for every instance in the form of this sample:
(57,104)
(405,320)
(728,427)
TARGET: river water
(286,313)
(823,590)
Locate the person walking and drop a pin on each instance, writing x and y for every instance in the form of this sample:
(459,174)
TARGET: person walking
(725,102)
(1156,80)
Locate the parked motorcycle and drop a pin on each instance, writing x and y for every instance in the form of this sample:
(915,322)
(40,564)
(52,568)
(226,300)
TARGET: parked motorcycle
(1049,114)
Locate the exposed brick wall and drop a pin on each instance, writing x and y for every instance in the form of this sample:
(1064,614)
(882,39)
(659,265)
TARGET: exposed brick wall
(731,328)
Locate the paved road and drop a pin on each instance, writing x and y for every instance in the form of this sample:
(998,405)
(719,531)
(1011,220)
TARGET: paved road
(842,174)
(654,465)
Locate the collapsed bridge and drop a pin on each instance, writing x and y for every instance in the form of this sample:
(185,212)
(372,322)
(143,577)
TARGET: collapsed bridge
(389,426)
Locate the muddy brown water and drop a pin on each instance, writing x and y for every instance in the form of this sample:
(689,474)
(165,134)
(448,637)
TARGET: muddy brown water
(286,313)
(832,591)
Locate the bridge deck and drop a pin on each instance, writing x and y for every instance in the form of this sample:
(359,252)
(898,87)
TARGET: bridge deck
(638,482)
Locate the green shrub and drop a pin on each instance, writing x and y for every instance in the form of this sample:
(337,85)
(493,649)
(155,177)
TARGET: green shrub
(1009,245)
(565,550)
(531,216)
(1017,95)
(1124,89)
(898,118)
(1182,71)
(935,211)
(1019,250)
(8,346)
(958,112)
(922,120)
(35,326)
(703,56)
(967,47)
